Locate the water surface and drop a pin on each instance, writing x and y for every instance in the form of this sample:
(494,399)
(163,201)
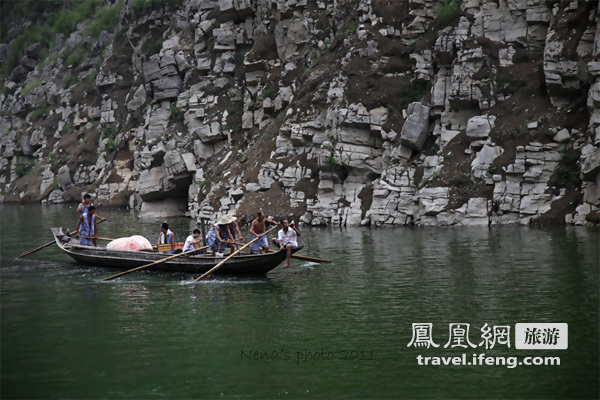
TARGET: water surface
(67,334)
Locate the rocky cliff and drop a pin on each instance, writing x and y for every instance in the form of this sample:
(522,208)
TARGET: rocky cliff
(343,112)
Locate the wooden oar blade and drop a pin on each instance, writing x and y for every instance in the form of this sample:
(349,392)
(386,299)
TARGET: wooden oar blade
(28,252)
(147,265)
(311,259)
(306,258)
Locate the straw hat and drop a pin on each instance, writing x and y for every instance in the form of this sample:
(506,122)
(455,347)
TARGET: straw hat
(226,219)
(232,217)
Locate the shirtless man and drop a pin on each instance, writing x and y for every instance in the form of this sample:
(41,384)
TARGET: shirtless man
(257,228)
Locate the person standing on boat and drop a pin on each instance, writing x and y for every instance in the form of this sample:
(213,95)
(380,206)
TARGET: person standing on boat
(287,238)
(191,241)
(220,235)
(88,226)
(166,236)
(257,228)
(85,205)
(235,228)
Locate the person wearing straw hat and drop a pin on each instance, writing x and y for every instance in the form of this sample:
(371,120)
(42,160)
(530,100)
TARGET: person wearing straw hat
(220,235)
(235,228)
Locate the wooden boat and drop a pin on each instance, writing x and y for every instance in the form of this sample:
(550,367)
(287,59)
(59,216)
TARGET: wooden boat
(199,264)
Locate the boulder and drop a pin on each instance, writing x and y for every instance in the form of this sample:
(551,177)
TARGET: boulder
(484,159)
(56,197)
(28,63)
(479,127)
(64,178)
(414,131)
(47,179)
(18,74)
(167,88)
(290,34)
(176,171)
(210,133)
(35,51)
(590,165)
(562,136)
(164,208)
(157,123)
(150,184)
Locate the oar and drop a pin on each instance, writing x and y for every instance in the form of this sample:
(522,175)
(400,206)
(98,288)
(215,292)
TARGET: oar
(148,265)
(36,249)
(99,238)
(305,258)
(213,269)
(45,245)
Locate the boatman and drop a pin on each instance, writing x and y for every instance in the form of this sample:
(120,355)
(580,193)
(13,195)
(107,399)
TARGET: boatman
(88,226)
(192,240)
(85,204)
(219,237)
(166,236)
(235,228)
(287,238)
(257,228)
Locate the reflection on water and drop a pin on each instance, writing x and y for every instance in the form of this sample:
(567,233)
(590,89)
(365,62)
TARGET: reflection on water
(65,333)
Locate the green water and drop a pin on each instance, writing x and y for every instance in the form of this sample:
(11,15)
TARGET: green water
(66,334)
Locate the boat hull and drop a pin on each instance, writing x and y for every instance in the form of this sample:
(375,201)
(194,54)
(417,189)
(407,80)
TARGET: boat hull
(255,264)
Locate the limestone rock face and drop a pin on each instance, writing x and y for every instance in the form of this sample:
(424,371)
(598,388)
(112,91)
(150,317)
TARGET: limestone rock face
(226,106)
(163,75)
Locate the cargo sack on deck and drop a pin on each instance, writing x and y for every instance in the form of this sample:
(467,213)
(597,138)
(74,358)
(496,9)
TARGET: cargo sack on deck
(131,243)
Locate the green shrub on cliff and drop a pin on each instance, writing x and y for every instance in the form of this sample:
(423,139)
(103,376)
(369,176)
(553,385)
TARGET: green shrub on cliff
(38,113)
(567,171)
(446,12)
(76,56)
(177,113)
(105,20)
(140,8)
(410,91)
(460,180)
(22,167)
(31,84)
(63,18)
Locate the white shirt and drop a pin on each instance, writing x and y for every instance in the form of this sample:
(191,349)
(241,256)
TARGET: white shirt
(289,237)
(188,243)
(163,238)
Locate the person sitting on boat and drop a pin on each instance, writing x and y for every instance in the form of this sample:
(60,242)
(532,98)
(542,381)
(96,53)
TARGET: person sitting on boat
(167,237)
(87,228)
(287,238)
(219,237)
(235,228)
(256,229)
(191,241)
(85,205)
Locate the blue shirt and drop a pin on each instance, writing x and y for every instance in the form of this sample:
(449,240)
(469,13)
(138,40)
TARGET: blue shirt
(84,208)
